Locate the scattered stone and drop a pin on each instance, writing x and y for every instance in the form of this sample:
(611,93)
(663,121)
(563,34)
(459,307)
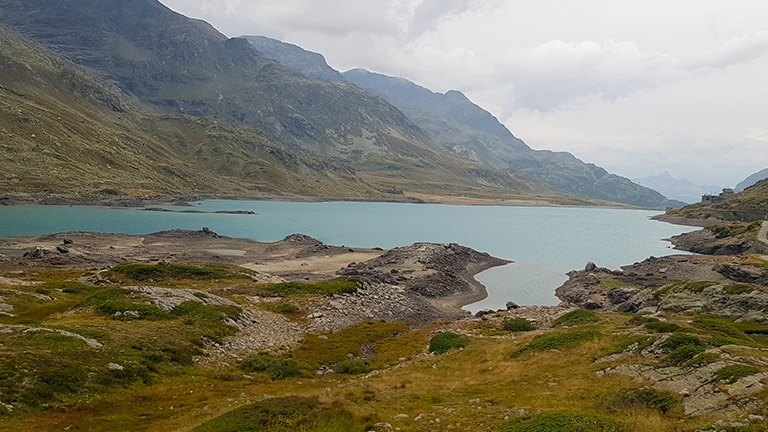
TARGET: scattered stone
(115,366)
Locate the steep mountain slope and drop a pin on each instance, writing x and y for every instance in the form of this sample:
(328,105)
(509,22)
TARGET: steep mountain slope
(471,132)
(310,64)
(749,181)
(749,205)
(65,130)
(463,129)
(170,65)
(177,65)
(679,189)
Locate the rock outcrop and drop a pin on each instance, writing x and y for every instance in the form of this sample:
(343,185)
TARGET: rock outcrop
(728,286)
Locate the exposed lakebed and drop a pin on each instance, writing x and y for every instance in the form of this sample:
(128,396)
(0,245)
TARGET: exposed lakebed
(544,242)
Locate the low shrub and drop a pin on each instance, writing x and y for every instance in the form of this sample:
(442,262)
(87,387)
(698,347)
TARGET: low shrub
(683,354)
(639,320)
(155,272)
(331,348)
(719,326)
(517,325)
(287,414)
(441,343)
(703,359)
(644,398)
(662,327)
(733,373)
(697,286)
(676,340)
(286,308)
(563,421)
(555,340)
(330,287)
(576,317)
(353,367)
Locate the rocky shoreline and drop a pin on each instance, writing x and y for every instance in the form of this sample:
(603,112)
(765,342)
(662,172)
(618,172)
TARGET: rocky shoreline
(420,283)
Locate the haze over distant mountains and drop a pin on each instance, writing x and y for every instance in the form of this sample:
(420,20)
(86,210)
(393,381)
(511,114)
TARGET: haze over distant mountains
(144,100)
(679,189)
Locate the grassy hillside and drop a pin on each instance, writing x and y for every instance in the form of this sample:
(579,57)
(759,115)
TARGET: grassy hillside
(66,130)
(70,358)
(746,206)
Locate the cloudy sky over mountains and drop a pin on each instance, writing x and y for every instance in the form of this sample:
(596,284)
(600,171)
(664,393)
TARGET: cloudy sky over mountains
(637,87)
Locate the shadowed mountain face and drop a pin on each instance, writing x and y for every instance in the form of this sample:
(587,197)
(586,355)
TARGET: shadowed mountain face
(167,64)
(311,65)
(176,65)
(64,129)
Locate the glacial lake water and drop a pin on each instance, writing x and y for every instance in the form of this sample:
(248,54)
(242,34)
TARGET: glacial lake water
(544,242)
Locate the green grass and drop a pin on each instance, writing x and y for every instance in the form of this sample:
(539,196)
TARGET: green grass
(57,342)
(644,399)
(288,414)
(625,342)
(286,308)
(352,367)
(517,325)
(146,312)
(274,367)
(697,286)
(330,287)
(441,343)
(677,340)
(703,359)
(739,288)
(609,284)
(719,327)
(562,422)
(334,347)
(555,341)
(577,317)
(733,373)
(159,272)
(742,230)
(662,327)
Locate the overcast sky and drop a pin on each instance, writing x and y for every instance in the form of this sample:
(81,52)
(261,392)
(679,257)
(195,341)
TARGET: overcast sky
(637,87)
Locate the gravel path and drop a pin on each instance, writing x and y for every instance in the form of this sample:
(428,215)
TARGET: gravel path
(763,234)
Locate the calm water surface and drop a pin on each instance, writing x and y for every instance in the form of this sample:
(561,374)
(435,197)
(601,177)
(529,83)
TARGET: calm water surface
(544,242)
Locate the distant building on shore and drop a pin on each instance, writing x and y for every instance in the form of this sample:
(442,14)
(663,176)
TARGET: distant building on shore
(711,198)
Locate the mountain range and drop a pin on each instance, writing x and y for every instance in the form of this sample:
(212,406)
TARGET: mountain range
(129,95)
(751,180)
(680,189)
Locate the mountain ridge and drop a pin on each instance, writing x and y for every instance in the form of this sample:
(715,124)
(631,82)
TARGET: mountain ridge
(679,189)
(751,180)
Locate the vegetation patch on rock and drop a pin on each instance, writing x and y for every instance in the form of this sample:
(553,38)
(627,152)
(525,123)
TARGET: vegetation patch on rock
(577,317)
(340,285)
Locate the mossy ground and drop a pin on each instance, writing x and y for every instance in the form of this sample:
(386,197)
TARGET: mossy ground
(551,380)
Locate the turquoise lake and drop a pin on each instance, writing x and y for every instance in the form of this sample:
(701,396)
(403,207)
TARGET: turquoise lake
(544,242)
